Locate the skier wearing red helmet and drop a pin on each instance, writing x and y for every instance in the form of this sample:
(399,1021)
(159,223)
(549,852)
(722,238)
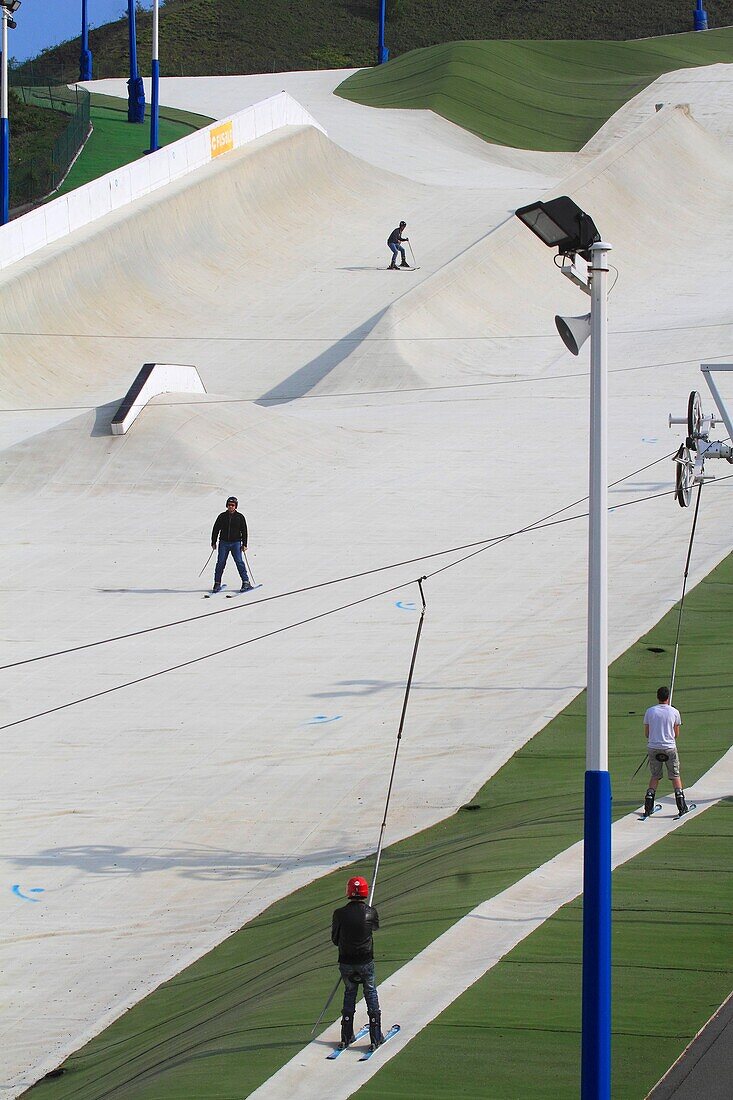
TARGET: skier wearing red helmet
(351,931)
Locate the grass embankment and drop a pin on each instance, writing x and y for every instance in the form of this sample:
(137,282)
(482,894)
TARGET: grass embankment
(32,135)
(208,37)
(532,95)
(114,141)
(225,1024)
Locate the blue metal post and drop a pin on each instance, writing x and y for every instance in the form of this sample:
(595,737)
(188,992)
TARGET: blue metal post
(85,57)
(596,1060)
(382,51)
(155,84)
(4,127)
(135,89)
(701,17)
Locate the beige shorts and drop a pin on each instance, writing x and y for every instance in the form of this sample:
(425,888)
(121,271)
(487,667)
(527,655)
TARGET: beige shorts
(659,757)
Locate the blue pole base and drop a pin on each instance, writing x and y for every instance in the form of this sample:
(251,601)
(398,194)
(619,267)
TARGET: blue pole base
(4,171)
(701,19)
(154,104)
(135,99)
(596,1045)
(85,65)
(382,55)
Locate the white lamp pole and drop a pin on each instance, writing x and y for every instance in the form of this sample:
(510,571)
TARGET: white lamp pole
(4,128)
(596,1043)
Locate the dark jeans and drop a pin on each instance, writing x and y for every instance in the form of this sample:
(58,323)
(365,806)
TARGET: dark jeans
(395,249)
(353,975)
(225,549)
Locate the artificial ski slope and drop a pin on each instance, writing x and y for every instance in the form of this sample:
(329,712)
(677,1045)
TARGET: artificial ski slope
(363,418)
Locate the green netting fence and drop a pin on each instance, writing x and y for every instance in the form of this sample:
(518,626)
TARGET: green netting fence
(42,155)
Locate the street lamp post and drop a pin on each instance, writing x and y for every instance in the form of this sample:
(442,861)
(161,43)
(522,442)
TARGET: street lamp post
(700,21)
(85,57)
(561,223)
(596,1054)
(154,84)
(7,9)
(4,129)
(135,89)
(382,51)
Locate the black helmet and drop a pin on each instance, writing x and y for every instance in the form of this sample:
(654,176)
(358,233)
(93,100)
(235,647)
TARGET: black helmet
(402,225)
(232,500)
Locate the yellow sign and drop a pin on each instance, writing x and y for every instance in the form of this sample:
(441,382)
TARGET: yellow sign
(222,139)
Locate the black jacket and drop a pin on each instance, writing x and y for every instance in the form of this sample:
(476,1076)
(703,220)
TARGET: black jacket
(396,237)
(231,528)
(351,932)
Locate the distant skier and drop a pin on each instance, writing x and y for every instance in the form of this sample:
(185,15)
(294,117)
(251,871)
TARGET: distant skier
(661,729)
(395,241)
(231,530)
(351,932)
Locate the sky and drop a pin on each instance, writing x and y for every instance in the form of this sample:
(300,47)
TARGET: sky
(43,23)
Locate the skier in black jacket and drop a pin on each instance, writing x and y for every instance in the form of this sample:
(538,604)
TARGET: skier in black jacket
(351,932)
(231,530)
(395,241)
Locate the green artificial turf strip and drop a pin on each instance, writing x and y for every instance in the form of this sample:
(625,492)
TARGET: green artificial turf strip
(115,142)
(550,96)
(516,1032)
(226,1023)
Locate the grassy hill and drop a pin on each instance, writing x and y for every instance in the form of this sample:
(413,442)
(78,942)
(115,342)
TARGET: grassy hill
(33,133)
(209,37)
(532,95)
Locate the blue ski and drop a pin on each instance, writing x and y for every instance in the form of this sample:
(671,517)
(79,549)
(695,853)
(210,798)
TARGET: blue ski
(340,1050)
(390,1034)
(208,595)
(233,595)
(657,807)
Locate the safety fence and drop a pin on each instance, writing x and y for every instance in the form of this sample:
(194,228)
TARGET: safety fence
(38,171)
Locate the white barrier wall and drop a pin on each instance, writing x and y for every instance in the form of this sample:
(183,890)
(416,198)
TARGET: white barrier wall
(61,216)
(155,378)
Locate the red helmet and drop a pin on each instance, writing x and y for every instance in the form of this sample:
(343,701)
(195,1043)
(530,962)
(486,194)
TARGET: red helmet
(357,888)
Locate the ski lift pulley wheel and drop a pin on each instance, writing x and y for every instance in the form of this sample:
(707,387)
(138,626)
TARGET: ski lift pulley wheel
(694,414)
(684,478)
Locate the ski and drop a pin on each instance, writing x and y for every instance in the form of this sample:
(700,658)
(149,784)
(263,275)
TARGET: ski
(208,595)
(390,1034)
(690,807)
(657,807)
(233,595)
(340,1050)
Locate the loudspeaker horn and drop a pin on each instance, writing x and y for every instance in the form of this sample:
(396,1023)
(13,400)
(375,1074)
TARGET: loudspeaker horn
(574,331)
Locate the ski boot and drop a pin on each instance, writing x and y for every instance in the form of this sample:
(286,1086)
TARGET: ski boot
(404,264)
(649,802)
(375,1030)
(347,1032)
(682,807)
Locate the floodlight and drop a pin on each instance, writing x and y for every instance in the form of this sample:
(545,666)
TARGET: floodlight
(11,5)
(560,223)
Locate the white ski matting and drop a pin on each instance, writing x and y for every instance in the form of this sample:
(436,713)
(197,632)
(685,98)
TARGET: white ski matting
(363,417)
(420,990)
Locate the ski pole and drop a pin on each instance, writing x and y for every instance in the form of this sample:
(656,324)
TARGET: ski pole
(643,762)
(213,548)
(249,571)
(323,1010)
(414,261)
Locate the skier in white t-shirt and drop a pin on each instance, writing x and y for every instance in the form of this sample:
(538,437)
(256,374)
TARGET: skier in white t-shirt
(661,729)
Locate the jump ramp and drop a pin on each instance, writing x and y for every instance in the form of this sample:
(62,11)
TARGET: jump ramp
(362,420)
